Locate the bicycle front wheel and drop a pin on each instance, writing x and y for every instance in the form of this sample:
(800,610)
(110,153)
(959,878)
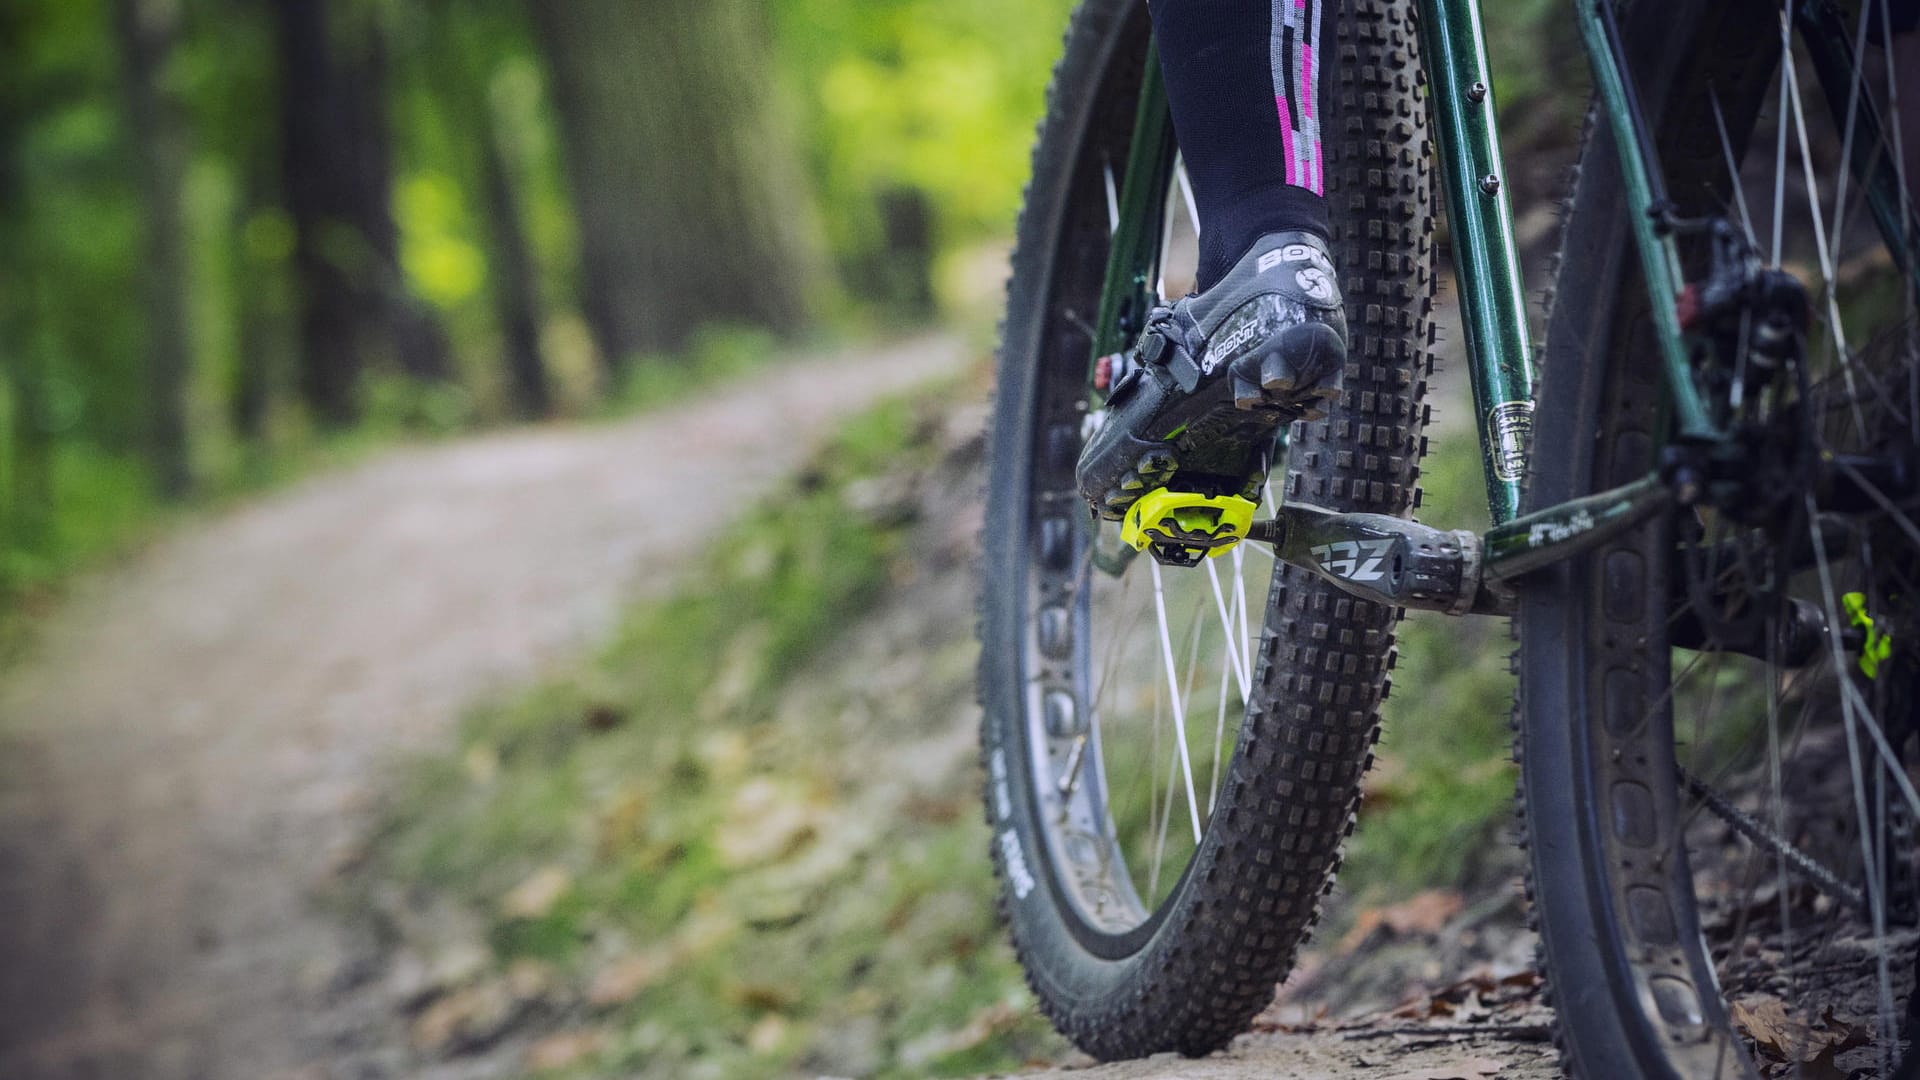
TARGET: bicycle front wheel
(1174,756)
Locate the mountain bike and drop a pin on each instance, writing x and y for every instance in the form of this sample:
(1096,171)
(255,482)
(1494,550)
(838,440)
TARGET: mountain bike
(1702,522)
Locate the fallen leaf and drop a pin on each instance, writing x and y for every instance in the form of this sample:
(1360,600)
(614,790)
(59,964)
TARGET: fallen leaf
(1478,995)
(626,979)
(766,1035)
(534,898)
(482,762)
(1524,979)
(603,717)
(760,996)
(1789,1038)
(1425,913)
(532,980)
(464,1018)
(623,821)
(1765,1022)
(978,1029)
(726,755)
(766,821)
(564,1049)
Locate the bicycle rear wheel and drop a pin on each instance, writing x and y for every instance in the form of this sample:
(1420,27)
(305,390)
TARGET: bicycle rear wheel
(1174,756)
(1720,851)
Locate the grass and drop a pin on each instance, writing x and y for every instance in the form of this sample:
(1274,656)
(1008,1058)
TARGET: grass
(1441,792)
(707,792)
(718,791)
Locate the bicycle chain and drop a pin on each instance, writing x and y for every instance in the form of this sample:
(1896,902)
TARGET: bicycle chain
(1759,834)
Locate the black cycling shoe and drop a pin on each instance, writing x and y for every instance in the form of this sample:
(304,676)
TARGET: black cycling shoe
(1215,375)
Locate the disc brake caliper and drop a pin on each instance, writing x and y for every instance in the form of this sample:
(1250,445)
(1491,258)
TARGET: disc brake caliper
(1179,528)
(1878,645)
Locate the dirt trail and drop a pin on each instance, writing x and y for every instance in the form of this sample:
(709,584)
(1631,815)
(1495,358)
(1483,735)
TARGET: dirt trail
(191,746)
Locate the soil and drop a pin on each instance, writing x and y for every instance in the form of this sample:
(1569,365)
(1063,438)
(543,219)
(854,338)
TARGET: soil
(192,747)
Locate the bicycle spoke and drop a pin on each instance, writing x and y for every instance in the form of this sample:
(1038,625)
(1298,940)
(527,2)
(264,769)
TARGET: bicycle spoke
(1894,133)
(1219,736)
(1835,330)
(1113,199)
(1778,788)
(1733,169)
(1234,659)
(1157,822)
(1855,88)
(1876,896)
(1186,192)
(1245,637)
(1167,219)
(1178,706)
(1780,151)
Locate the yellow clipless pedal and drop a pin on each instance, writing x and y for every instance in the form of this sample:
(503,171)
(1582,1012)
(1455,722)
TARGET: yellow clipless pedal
(1180,528)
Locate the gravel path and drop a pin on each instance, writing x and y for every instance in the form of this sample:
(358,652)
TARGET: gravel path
(189,750)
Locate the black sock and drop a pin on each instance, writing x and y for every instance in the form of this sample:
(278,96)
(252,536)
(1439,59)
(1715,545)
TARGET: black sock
(1243,81)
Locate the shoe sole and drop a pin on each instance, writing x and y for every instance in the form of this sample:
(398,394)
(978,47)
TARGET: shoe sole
(1267,392)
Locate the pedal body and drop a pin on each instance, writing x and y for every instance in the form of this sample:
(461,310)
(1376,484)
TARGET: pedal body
(1179,528)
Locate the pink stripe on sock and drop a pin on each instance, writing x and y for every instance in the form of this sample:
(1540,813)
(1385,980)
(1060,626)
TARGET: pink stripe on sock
(1286,138)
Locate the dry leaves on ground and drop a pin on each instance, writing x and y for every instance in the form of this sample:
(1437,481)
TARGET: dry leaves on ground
(1480,995)
(534,898)
(1789,1038)
(564,1049)
(1425,913)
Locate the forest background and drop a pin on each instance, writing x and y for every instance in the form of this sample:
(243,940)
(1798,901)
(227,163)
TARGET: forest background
(243,241)
(238,238)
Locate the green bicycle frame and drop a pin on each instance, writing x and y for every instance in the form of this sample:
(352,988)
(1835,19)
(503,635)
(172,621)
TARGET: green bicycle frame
(1493,303)
(1487,267)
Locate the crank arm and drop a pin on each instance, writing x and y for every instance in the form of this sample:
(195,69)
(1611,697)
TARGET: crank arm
(1396,561)
(1379,557)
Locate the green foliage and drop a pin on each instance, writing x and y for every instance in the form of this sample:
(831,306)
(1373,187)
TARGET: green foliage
(920,96)
(901,99)
(716,353)
(915,117)
(106,500)
(1539,76)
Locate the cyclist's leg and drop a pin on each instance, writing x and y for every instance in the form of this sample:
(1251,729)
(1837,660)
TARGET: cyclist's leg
(1243,81)
(1264,340)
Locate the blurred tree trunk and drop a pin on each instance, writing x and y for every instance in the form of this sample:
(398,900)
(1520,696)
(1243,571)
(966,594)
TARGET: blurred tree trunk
(516,295)
(146,31)
(259,297)
(463,67)
(338,175)
(25,480)
(690,202)
(418,343)
(314,136)
(26,492)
